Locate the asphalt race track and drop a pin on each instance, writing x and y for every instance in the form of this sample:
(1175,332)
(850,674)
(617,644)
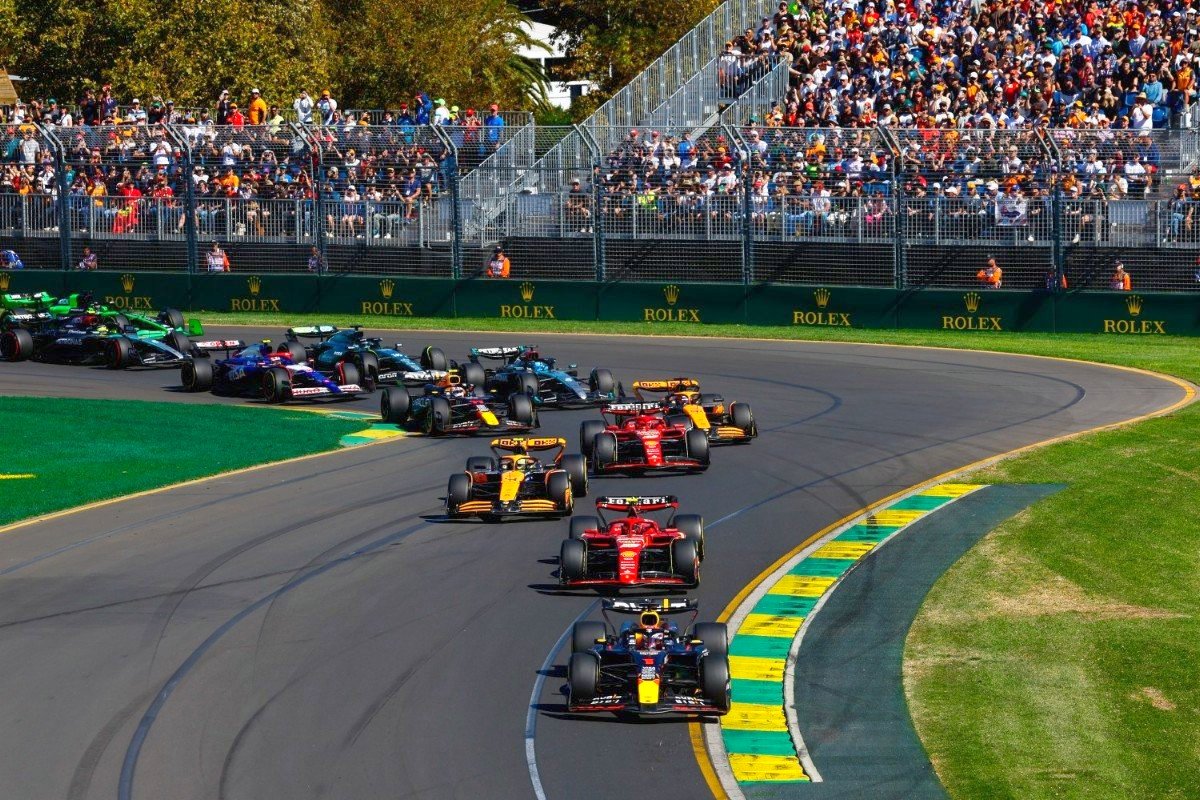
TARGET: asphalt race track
(312,630)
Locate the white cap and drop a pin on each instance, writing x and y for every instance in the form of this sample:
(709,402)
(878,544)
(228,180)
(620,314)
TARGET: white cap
(255,91)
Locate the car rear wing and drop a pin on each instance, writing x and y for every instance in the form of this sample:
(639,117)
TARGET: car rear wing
(664,605)
(220,345)
(625,409)
(499,353)
(637,504)
(522,444)
(321,332)
(667,386)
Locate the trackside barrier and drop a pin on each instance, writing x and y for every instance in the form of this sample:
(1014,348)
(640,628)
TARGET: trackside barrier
(392,299)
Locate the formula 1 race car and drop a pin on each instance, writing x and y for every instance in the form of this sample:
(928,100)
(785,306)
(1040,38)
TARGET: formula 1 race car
(383,364)
(517,484)
(88,339)
(257,371)
(633,550)
(649,666)
(637,438)
(452,406)
(525,371)
(686,405)
(25,310)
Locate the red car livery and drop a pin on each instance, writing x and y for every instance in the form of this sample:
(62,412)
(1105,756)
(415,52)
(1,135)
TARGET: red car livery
(636,437)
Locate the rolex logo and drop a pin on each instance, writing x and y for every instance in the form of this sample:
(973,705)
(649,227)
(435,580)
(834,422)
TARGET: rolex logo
(255,285)
(671,293)
(4,279)
(971,301)
(1134,304)
(527,291)
(127,282)
(387,287)
(822,297)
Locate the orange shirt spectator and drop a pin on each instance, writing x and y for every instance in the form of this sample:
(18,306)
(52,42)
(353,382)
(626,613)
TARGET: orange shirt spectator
(1120,281)
(499,265)
(991,275)
(258,108)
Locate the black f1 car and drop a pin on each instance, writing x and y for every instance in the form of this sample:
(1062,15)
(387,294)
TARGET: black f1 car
(649,666)
(633,550)
(723,423)
(89,339)
(523,370)
(383,364)
(452,406)
(515,483)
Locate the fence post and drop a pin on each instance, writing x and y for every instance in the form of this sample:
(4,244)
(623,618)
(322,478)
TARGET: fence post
(450,171)
(898,239)
(598,257)
(1057,250)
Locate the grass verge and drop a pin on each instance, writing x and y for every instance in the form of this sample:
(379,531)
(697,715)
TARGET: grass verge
(1057,658)
(81,451)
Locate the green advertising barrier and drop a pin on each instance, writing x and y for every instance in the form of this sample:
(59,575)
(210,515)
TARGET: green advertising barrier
(976,310)
(821,306)
(387,296)
(247,291)
(673,302)
(143,292)
(28,281)
(490,298)
(1129,313)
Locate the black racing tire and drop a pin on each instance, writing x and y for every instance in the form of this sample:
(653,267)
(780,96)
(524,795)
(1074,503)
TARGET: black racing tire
(572,560)
(558,489)
(481,464)
(697,446)
(742,416)
(601,380)
(394,405)
(581,524)
(120,321)
(347,374)
(520,409)
(585,633)
(472,373)
(16,345)
(715,636)
(583,676)
(692,527)
(368,365)
(433,358)
(295,351)
(604,448)
(277,385)
(714,681)
(196,375)
(458,491)
(575,465)
(686,561)
(587,434)
(172,318)
(119,353)
(437,419)
(522,383)
(180,342)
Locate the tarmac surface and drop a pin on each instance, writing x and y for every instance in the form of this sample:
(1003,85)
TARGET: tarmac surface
(314,630)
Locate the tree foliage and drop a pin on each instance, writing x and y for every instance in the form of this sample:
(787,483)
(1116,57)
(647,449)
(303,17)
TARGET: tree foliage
(370,53)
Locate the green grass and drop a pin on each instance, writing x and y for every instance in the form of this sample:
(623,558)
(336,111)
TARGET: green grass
(1058,658)
(86,450)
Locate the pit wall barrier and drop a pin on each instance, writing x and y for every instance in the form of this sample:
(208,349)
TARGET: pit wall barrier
(1123,313)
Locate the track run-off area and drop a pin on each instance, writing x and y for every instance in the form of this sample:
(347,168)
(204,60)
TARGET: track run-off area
(314,629)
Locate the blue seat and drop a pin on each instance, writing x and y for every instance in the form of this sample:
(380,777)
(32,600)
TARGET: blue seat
(1161,116)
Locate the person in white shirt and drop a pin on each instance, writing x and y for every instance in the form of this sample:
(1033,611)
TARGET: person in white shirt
(1142,115)
(1136,174)
(303,105)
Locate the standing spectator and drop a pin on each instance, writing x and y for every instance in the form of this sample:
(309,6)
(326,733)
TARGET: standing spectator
(108,103)
(218,261)
(224,105)
(441,114)
(88,261)
(257,109)
(137,114)
(579,208)
(10,260)
(315,262)
(89,108)
(30,148)
(303,106)
(1142,114)
(494,123)
(326,108)
(235,118)
(991,275)
(499,265)
(1120,281)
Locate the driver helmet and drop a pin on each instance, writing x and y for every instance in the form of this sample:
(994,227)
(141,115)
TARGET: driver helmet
(679,398)
(530,354)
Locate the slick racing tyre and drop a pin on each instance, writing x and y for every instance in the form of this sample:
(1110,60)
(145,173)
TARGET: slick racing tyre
(394,405)
(434,358)
(119,321)
(581,524)
(584,635)
(714,680)
(16,345)
(348,374)
(697,446)
(120,353)
(481,464)
(171,317)
(742,417)
(520,409)
(692,527)
(196,375)
(587,435)
(687,561)
(575,465)
(714,635)
(604,449)
(437,417)
(458,491)
(572,560)
(472,373)
(523,383)
(368,366)
(179,342)
(277,385)
(583,674)
(558,489)
(295,351)
(601,380)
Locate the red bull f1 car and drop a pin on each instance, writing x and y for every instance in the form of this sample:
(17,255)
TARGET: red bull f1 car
(451,406)
(649,665)
(723,423)
(513,482)
(637,438)
(633,550)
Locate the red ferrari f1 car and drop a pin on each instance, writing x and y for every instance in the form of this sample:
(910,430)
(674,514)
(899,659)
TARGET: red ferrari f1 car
(633,550)
(636,437)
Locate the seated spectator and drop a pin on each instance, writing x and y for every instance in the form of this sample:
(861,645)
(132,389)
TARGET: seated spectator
(10,260)
(991,275)
(89,260)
